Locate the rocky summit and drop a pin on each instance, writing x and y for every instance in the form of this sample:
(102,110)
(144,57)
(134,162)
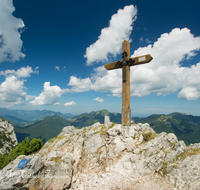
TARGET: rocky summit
(8,138)
(104,157)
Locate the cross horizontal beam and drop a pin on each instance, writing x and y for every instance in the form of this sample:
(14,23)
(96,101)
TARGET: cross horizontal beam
(131,62)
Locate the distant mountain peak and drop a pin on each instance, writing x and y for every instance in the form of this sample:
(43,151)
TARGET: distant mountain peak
(176,113)
(103,112)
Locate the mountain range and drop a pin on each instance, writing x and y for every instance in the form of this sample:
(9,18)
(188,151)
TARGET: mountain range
(185,127)
(50,126)
(45,128)
(22,117)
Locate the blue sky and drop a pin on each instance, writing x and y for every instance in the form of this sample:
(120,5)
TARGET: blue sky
(52,55)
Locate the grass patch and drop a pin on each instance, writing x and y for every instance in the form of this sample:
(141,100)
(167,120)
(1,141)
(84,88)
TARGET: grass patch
(38,181)
(98,150)
(103,127)
(113,124)
(104,130)
(60,137)
(57,138)
(96,128)
(173,145)
(187,153)
(51,140)
(149,136)
(50,149)
(164,168)
(57,159)
(182,156)
(166,152)
(192,151)
(69,141)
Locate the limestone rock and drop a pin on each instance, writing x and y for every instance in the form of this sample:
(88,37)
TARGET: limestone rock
(93,143)
(102,153)
(61,142)
(103,156)
(8,138)
(56,175)
(116,130)
(130,144)
(12,177)
(94,129)
(140,139)
(155,162)
(196,145)
(67,130)
(186,176)
(119,145)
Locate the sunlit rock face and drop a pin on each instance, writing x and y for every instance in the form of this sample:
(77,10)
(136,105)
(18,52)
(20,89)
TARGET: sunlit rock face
(103,156)
(8,138)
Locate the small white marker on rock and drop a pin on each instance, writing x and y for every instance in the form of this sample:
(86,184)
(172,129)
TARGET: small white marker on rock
(106,119)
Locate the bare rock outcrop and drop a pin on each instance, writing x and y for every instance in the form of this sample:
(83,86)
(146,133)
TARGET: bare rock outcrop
(8,138)
(103,156)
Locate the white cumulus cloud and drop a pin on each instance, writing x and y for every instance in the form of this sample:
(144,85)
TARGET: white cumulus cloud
(12,90)
(72,103)
(79,85)
(163,75)
(57,103)
(10,42)
(111,38)
(189,93)
(99,99)
(23,72)
(49,95)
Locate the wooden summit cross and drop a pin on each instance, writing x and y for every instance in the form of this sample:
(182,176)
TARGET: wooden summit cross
(125,64)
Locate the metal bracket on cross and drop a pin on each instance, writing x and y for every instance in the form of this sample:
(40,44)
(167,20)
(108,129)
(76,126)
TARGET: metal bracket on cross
(124,63)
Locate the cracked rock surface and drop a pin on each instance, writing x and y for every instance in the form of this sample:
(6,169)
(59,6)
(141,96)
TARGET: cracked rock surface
(103,156)
(8,138)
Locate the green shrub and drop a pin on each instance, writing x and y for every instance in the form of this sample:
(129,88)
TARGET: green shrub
(35,145)
(4,160)
(26,147)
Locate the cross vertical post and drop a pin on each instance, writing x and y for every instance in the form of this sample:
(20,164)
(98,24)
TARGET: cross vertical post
(126,86)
